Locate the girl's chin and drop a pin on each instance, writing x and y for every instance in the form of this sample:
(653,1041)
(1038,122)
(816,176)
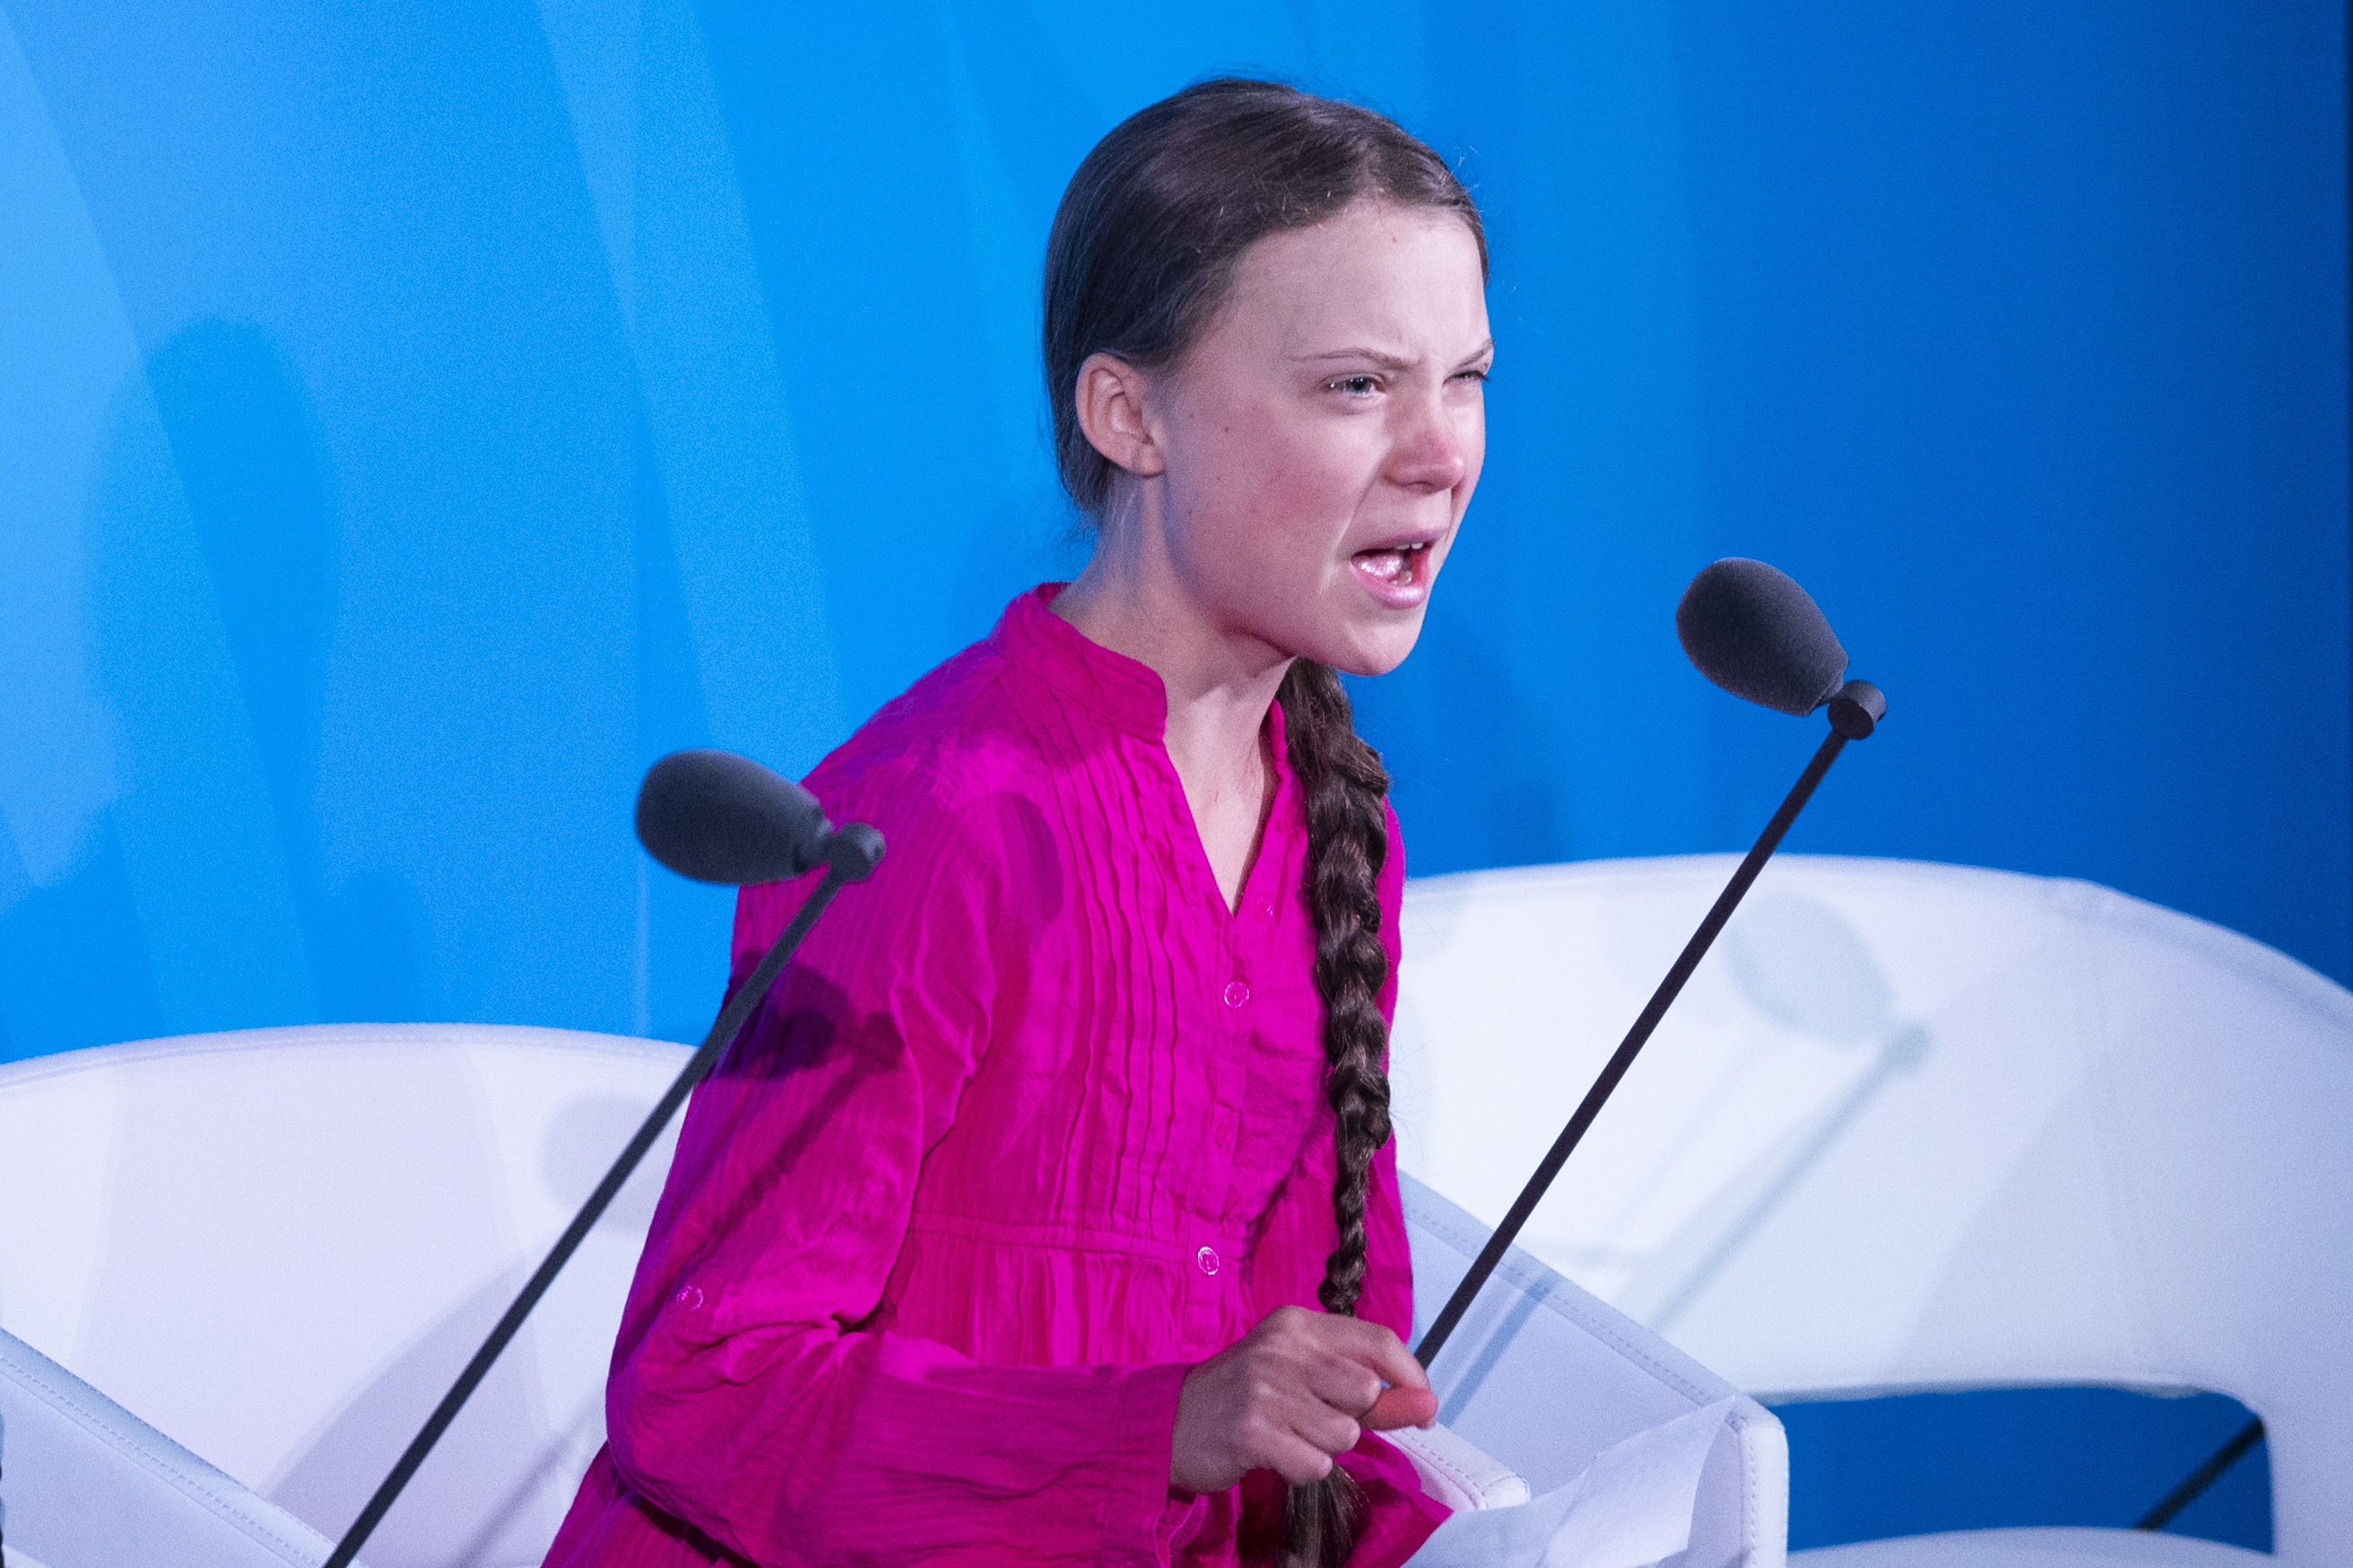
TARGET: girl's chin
(1373,649)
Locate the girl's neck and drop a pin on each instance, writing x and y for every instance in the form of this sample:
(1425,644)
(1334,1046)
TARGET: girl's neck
(1219,685)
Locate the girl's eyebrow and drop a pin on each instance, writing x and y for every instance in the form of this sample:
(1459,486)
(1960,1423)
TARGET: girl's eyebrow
(1358,355)
(1383,359)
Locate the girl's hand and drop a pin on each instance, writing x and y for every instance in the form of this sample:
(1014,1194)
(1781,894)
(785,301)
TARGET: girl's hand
(1299,1388)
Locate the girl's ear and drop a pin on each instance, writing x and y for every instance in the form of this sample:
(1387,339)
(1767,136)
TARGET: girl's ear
(1110,404)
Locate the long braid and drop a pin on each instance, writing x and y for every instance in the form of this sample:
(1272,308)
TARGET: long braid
(1345,790)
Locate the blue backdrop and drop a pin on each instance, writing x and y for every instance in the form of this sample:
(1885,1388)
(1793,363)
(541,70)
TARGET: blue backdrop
(418,418)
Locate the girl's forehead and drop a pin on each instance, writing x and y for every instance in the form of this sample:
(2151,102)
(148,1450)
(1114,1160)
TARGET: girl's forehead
(1400,273)
(1368,233)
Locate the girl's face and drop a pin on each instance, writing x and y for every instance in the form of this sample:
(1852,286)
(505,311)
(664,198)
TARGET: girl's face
(1322,436)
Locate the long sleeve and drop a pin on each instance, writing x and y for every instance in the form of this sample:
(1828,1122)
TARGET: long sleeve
(747,1398)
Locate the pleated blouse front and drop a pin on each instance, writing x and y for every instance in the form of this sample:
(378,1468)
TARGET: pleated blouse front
(1033,1124)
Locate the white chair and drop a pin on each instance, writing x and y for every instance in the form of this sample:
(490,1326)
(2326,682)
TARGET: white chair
(279,1248)
(1917,1126)
(89,1482)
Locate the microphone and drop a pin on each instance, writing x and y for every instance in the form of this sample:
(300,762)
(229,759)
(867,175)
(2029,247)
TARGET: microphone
(716,817)
(1752,630)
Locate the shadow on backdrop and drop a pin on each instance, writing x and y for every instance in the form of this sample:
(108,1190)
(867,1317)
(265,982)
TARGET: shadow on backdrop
(245,447)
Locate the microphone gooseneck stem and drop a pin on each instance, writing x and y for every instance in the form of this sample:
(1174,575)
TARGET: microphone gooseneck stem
(1693,951)
(698,1066)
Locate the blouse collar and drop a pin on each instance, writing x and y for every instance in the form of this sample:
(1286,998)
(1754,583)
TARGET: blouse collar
(1128,693)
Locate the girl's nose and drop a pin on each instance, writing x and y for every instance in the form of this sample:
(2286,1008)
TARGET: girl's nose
(1430,453)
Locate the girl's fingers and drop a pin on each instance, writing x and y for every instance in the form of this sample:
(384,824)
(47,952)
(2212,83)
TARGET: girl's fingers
(1333,1431)
(1386,1354)
(1374,1377)
(1342,1381)
(1307,1386)
(1298,1462)
(1400,1407)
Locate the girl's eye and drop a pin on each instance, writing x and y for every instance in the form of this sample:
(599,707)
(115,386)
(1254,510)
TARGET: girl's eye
(1358,385)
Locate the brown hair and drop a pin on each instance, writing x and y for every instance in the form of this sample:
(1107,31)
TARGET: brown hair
(1142,255)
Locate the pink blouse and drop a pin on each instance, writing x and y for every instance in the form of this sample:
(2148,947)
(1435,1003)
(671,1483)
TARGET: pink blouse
(1031,1126)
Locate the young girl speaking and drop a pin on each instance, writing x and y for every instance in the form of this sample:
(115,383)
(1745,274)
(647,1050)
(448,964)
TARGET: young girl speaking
(1047,1210)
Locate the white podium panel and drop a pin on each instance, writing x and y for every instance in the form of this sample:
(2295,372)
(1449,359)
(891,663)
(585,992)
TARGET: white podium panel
(1545,1377)
(280,1248)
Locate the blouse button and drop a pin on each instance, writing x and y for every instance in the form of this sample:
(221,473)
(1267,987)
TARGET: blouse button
(1208,1258)
(1236,993)
(690,1297)
(1224,1131)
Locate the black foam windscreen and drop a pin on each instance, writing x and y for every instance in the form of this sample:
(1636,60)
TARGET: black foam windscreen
(719,818)
(1753,631)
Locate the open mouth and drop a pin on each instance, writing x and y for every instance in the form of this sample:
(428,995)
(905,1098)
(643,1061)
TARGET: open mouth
(1399,566)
